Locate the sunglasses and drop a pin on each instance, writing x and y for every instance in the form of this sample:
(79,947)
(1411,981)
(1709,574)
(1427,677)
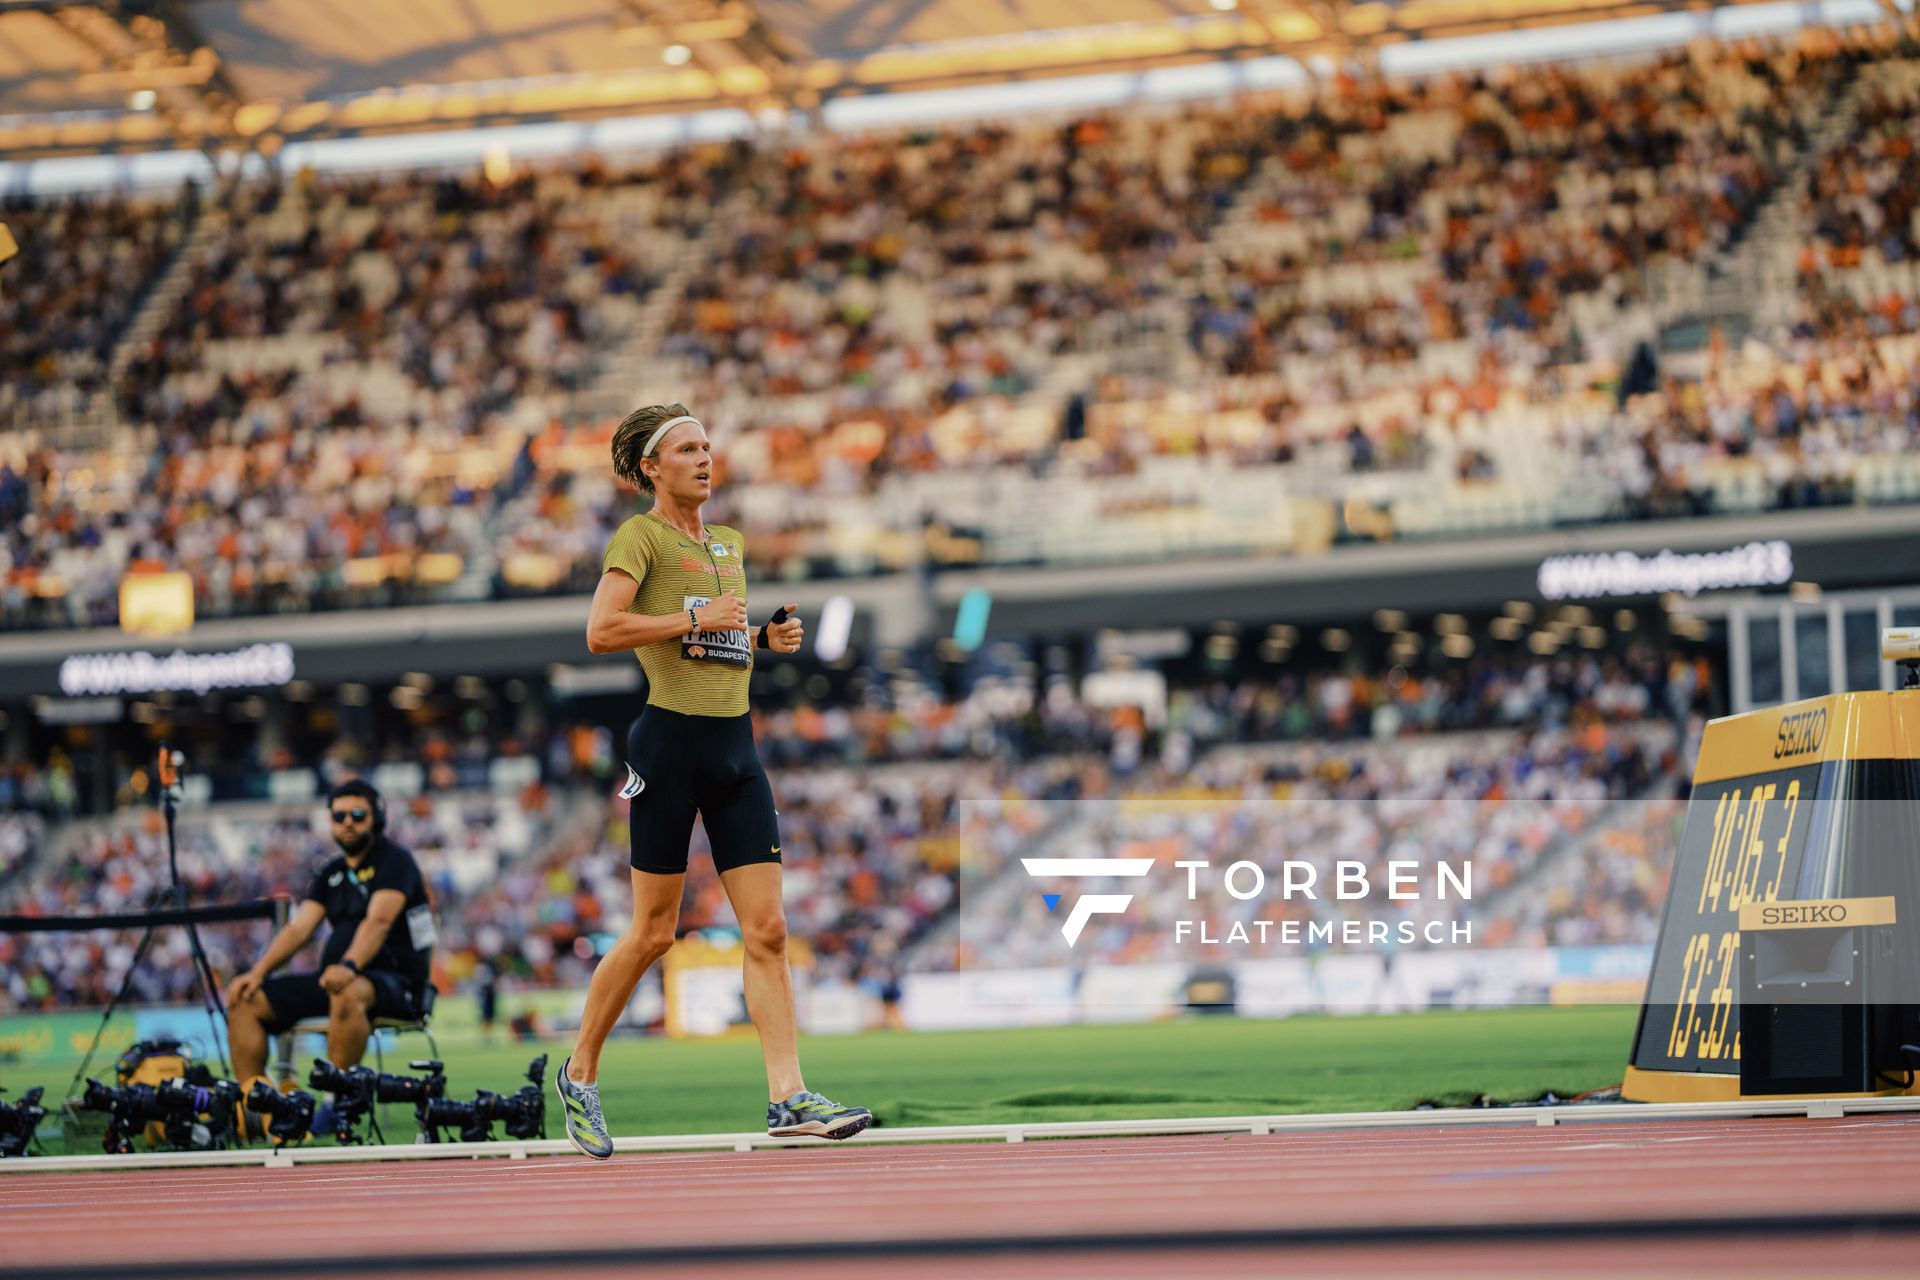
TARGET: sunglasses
(350,815)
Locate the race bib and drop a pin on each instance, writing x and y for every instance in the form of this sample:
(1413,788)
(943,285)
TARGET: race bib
(420,927)
(729,648)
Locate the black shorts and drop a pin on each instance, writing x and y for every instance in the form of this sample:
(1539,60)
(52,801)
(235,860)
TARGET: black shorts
(704,764)
(298,997)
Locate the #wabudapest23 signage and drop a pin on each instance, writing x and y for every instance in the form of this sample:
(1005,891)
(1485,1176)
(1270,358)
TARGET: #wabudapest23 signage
(256,666)
(1624,573)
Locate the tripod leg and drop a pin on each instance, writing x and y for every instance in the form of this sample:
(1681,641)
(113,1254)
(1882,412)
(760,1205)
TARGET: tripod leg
(281,1068)
(216,1008)
(203,967)
(119,997)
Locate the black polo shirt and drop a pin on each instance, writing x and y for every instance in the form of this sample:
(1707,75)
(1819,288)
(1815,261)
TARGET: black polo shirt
(345,892)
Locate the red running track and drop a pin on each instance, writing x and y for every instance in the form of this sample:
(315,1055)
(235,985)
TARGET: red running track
(1771,1197)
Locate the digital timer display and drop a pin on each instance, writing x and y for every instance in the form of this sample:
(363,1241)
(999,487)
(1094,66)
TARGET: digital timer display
(1744,842)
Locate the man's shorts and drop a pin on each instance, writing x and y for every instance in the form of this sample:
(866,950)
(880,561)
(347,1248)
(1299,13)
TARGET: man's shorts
(299,997)
(698,764)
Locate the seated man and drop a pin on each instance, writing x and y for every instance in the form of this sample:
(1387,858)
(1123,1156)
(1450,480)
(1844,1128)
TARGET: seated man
(377,957)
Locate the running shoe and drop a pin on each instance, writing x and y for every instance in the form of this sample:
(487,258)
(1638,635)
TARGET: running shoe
(586,1127)
(809,1113)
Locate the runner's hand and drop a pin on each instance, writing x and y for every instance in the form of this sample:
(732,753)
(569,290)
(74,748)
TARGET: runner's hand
(728,613)
(785,637)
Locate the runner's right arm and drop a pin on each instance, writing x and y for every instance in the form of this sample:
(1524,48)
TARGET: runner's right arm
(611,629)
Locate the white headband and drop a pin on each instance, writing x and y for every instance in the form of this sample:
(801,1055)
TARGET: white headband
(667,426)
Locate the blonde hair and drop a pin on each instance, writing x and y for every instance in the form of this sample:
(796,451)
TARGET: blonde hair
(630,441)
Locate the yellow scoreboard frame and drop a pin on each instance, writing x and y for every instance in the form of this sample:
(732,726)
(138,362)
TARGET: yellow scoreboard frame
(1774,818)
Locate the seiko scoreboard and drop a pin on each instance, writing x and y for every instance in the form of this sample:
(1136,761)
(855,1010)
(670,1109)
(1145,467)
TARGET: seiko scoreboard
(1816,804)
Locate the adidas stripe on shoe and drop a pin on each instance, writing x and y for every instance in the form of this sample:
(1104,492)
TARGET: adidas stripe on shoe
(811,1115)
(586,1126)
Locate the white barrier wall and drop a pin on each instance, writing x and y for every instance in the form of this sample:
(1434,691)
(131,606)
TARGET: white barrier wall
(1349,983)
(710,1000)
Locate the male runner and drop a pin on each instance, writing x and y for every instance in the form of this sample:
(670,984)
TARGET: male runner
(674,591)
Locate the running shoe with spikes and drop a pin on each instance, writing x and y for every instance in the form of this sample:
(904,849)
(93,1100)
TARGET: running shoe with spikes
(810,1114)
(586,1127)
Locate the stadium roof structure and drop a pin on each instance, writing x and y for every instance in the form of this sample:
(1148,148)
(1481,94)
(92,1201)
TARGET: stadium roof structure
(93,77)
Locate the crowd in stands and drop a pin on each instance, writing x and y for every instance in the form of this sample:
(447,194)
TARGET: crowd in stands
(448,745)
(1612,889)
(361,396)
(51,792)
(867,264)
(911,273)
(1831,406)
(20,836)
(1821,428)
(331,414)
(1498,803)
(531,881)
(1016,723)
(477,293)
(364,396)
(84,266)
(1862,195)
(233,854)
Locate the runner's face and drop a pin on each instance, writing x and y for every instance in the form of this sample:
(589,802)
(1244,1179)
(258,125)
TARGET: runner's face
(685,465)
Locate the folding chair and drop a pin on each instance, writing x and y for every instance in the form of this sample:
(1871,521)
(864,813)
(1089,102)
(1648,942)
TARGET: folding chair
(283,1059)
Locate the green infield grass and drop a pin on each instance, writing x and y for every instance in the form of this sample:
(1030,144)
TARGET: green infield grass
(1196,1066)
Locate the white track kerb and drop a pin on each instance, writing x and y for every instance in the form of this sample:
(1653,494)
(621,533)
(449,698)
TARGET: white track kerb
(1532,1117)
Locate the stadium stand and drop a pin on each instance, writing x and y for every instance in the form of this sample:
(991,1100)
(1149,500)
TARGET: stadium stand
(415,295)
(1203,330)
(1412,309)
(20,837)
(1502,801)
(85,265)
(1607,888)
